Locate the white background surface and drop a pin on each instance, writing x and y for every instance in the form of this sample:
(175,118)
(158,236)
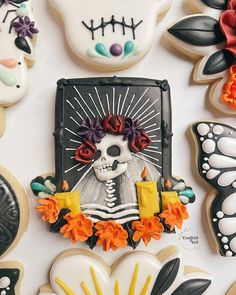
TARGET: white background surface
(27,148)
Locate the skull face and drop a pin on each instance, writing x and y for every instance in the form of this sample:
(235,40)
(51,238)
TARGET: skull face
(110,34)
(13,60)
(112,158)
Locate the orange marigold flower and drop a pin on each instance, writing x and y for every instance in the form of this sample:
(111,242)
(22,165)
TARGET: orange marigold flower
(229,89)
(111,235)
(50,209)
(77,228)
(174,215)
(147,228)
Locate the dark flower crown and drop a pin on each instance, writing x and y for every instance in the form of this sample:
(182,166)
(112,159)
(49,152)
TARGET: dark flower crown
(93,130)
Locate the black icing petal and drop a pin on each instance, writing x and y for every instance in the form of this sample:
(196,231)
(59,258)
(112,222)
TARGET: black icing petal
(92,241)
(219,62)
(194,286)
(19,1)
(131,242)
(198,30)
(22,44)
(217,4)
(166,277)
(55,227)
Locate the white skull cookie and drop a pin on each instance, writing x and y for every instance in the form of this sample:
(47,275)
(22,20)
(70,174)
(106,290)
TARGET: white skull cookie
(17,31)
(110,34)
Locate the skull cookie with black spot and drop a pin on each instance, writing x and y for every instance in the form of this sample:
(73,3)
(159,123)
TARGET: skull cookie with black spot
(17,33)
(110,34)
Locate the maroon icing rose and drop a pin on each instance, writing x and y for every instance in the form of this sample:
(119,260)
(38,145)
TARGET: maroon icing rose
(114,124)
(139,143)
(85,153)
(228,26)
(232,4)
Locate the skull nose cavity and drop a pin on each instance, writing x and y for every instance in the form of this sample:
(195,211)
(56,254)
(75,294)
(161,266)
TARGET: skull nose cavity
(116,49)
(103,159)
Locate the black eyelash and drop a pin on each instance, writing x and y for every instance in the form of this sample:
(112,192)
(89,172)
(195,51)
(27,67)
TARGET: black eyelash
(16,5)
(6,15)
(113,22)
(11,3)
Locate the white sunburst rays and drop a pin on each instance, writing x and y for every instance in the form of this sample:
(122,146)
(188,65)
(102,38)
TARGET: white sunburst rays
(126,104)
(82,108)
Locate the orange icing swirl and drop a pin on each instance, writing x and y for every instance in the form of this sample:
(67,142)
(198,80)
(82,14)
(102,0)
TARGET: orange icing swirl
(77,228)
(147,228)
(111,235)
(174,214)
(49,208)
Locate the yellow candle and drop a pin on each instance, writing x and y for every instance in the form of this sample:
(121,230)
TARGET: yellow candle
(70,200)
(148,198)
(169,197)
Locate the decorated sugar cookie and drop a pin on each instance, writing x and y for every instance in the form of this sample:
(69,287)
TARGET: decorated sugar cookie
(13,212)
(113,185)
(107,34)
(209,35)
(17,35)
(232,289)
(11,274)
(217,161)
(137,273)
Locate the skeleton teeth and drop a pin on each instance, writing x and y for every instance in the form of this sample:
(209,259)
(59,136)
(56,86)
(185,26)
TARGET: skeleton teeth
(106,167)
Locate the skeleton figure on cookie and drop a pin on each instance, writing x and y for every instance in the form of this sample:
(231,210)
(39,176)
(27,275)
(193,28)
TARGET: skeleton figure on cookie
(108,191)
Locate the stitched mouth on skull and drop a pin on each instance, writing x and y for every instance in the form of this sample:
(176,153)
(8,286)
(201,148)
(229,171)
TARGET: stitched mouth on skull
(113,22)
(112,157)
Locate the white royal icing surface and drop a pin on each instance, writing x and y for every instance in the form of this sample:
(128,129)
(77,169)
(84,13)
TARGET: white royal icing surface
(227,178)
(4,282)
(212,173)
(227,226)
(229,204)
(218,161)
(203,129)
(233,244)
(67,269)
(227,146)
(218,130)
(8,50)
(74,12)
(208,146)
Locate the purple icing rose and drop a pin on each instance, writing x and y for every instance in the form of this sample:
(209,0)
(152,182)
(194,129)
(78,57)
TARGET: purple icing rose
(132,129)
(25,27)
(91,130)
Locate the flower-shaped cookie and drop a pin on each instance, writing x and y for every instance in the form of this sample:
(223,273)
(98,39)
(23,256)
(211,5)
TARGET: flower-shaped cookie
(210,36)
